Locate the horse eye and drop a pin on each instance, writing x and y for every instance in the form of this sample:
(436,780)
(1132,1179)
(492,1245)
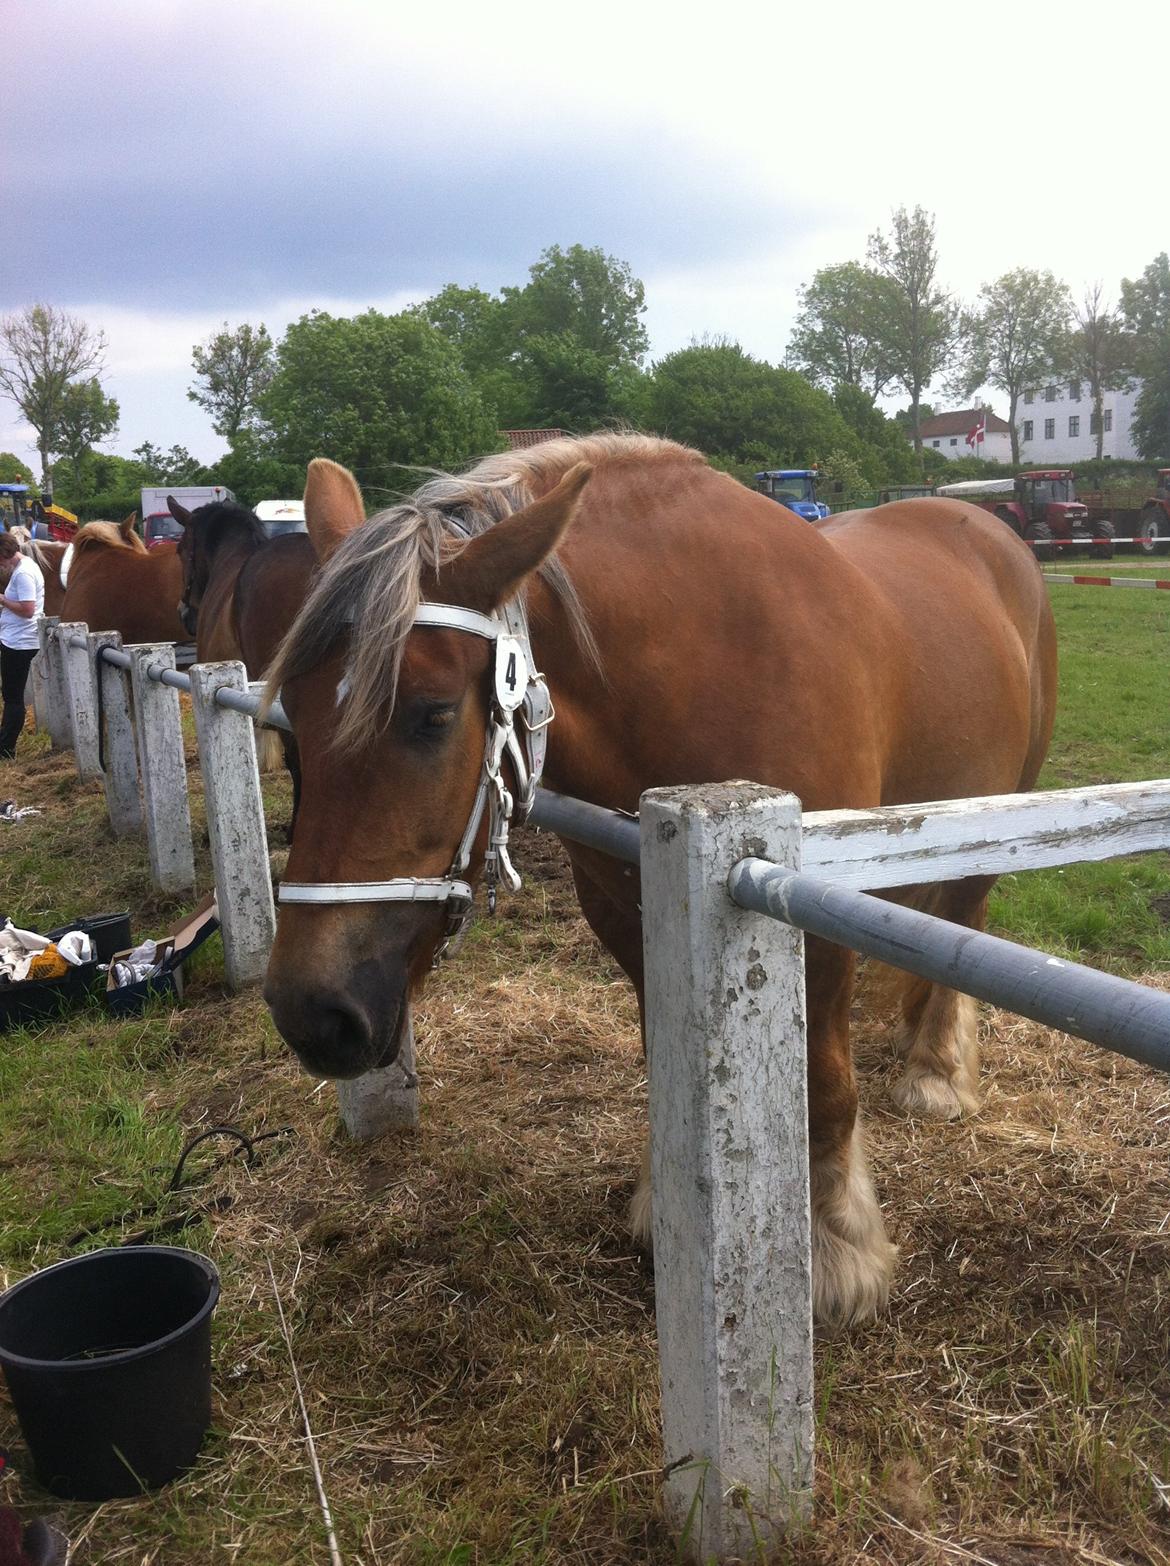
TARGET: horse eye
(433,722)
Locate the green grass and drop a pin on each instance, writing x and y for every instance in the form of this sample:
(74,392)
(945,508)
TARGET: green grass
(1112,726)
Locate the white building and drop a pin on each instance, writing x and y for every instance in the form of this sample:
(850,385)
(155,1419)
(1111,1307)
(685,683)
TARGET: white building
(1056,424)
(948,433)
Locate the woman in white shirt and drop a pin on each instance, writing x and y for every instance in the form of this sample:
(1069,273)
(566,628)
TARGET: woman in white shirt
(22,601)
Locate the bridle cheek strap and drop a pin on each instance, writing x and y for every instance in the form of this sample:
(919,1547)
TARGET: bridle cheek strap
(516,687)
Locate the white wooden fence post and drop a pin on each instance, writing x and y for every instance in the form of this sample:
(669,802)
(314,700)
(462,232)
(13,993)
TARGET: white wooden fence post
(725,1026)
(159,724)
(120,750)
(235,823)
(57,706)
(37,687)
(82,690)
(385,1100)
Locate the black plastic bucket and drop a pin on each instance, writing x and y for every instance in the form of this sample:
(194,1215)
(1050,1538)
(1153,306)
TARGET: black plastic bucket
(108,1359)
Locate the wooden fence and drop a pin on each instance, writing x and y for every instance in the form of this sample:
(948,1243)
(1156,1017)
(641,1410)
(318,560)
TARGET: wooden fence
(725,1016)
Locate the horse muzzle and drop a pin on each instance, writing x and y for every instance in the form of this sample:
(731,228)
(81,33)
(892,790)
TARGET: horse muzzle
(188,618)
(334,1034)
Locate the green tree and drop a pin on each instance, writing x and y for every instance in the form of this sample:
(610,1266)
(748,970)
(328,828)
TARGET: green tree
(886,454)
(570,342)
(14,471)
(253,471)
(43,350)
(919,320)
(1145,309)
(376,392)
(85,418)
(583,294)
(1017,337)
(232,368)
(1099,354)
(471,321)
(837,338)
(176,466)
(742,411)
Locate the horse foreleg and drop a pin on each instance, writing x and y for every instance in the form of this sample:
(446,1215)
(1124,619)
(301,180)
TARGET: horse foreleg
(852,1259)
(608,894)
(940,1026)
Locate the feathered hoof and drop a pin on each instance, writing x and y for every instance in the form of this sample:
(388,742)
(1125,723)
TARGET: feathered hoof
(850,1278)
(930,1096)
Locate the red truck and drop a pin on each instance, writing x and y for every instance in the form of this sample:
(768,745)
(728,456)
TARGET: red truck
(1043,509)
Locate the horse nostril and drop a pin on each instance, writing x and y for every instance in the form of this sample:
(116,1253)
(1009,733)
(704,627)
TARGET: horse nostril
(330,1034)
(341,1029)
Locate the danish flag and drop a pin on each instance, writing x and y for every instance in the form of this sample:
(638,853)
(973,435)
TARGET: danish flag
(977,434)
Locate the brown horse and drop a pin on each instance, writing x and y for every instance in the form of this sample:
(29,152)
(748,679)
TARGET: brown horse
(115,583)
(241,590)
(690,631)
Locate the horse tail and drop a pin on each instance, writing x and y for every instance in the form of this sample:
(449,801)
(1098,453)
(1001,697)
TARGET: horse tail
(269,750)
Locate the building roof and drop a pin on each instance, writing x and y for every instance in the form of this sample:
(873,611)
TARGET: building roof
(518,440)
(962,423)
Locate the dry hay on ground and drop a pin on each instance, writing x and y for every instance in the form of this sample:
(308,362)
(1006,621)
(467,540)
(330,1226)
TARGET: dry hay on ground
(476,1336)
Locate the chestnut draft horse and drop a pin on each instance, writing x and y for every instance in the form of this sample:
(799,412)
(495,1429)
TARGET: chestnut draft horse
(690,630)
(114,583)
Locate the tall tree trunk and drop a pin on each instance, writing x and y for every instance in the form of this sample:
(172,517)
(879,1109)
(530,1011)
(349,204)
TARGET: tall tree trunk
(1013,404)
(1099,415)
(46,476)
(915,399)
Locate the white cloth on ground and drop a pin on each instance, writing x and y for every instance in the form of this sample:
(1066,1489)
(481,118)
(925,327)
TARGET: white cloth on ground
(19,947)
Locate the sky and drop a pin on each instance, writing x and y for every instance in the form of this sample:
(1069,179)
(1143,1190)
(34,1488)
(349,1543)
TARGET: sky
(169,165)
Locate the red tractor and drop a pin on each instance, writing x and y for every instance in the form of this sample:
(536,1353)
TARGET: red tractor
(1153,529)
(1042,507)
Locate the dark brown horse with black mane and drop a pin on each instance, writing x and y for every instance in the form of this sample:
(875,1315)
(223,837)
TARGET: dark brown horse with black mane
(690,631)
(241,592)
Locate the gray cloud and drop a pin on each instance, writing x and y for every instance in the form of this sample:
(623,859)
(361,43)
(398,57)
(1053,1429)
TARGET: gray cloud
(171,184)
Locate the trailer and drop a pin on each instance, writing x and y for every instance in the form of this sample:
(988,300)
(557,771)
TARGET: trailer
(158,525)
(1042,508)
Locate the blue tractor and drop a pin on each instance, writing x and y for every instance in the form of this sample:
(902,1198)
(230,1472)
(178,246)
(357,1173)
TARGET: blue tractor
(795,488)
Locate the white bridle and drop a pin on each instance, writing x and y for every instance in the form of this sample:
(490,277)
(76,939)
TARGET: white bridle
(516,687)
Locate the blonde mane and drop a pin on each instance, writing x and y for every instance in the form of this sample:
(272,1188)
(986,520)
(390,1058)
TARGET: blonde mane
(372,584)
(107,535)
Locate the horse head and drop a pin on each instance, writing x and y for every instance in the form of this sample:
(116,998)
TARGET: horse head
(390,719)
(205,530)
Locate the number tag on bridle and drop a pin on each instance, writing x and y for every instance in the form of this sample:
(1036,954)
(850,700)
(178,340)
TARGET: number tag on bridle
(511,673)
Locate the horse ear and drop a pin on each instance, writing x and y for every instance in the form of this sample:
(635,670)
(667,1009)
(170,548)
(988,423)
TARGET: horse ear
(179,512)
(127,527)
(333,505)
(493,566)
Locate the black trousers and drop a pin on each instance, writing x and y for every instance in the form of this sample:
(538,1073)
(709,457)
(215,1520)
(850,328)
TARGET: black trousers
(15,663)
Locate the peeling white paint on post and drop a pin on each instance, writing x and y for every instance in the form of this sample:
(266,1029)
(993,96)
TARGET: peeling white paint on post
(235,823)
(159,726)
(725,1027)
(57,705)
(73,640)
(121,751)
(385,1100)
(36,682)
